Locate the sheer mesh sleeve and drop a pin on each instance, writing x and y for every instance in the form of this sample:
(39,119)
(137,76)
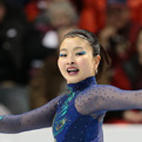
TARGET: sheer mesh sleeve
(107,98)
(35,119)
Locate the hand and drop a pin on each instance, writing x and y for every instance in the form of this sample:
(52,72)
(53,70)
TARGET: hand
(105,35)
(133,116)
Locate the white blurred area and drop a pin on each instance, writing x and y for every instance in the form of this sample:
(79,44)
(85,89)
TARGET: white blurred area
(112,133)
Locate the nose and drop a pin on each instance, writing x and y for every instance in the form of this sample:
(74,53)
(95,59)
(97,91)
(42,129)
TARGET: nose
(70,61)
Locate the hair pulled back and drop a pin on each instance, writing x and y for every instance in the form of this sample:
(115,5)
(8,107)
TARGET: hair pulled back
(94,43)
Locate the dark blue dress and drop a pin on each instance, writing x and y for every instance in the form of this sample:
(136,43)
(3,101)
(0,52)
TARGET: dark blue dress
(76,116)
(71,126)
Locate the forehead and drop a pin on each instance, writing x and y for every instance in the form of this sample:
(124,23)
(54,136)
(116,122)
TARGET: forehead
(74,42)
(114,10)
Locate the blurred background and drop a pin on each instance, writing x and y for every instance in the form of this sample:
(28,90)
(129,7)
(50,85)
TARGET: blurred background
(30,34)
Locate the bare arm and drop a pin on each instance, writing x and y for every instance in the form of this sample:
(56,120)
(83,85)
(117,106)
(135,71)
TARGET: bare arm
(107,98)
(35,119)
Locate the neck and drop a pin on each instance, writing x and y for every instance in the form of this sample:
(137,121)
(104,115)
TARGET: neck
(80,86)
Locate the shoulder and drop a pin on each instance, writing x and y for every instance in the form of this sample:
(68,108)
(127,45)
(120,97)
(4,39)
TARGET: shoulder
(94,93)
(87,100)
(96,88)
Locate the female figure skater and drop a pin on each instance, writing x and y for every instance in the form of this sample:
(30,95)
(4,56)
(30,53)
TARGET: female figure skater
(78,115)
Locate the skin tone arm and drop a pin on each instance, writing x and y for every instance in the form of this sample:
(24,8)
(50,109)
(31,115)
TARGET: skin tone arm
(35,119)
(106,98)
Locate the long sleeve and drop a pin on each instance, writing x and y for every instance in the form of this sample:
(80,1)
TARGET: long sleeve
(99,98)
(35,119)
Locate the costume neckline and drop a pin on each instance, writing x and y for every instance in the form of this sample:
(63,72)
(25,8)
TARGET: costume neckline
(80,86)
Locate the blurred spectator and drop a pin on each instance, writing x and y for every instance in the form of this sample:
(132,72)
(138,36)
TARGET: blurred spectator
(93,14)
(62,14)
(55,20)
(128,76)
(136,10)
(38,8)
(50,25)
(119,34)
(31,10)
(13,71)
(119,37)
(13,29)
(58,14)
(44,38)
(48,77)
(78,5)
(43,84)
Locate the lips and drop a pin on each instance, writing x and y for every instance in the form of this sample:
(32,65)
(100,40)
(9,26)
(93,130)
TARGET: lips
(72,70)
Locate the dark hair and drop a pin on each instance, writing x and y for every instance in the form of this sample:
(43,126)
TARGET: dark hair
(97,48)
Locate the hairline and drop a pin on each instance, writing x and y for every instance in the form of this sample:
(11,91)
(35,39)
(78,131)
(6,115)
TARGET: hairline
(82,37)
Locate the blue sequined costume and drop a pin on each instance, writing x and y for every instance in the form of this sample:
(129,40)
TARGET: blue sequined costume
(71,126)
(76,116)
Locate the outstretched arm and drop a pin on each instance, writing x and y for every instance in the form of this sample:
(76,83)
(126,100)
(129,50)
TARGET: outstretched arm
(35,119)
(107,98)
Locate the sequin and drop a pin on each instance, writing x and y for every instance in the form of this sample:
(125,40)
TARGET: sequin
(60,120)
(1,117)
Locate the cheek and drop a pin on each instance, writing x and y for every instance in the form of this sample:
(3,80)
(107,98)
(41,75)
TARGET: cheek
(61,64)
(81,62)
(85,64)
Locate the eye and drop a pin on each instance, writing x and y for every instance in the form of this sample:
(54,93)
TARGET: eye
(80,53)
(62,55)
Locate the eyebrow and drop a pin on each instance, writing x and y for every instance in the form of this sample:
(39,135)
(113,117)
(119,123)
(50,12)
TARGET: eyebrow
(63,49)
(76,48)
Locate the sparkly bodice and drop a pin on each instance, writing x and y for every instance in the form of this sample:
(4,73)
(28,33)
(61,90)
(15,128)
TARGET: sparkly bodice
(69,125)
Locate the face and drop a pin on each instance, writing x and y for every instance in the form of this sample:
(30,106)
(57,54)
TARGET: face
(118,17)
(59,18)
(76,61)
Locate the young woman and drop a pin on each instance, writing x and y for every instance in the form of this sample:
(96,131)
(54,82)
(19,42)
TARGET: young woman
(78,115)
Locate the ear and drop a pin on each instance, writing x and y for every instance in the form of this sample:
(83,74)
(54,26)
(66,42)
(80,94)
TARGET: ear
(97,60)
